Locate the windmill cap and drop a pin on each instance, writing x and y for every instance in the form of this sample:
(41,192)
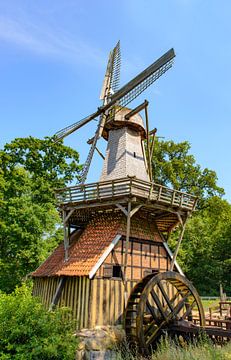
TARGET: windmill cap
(119,120)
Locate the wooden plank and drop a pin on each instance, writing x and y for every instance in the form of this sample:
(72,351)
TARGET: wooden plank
(93,302)
(112,302)
(82,302)
(108,320)
(87,296)
(75,298)
(79,300)
(101,296)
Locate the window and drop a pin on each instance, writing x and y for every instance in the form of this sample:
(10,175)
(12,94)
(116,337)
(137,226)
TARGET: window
(117,271)
(107,271)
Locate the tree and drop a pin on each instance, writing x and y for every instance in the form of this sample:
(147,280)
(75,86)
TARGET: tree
(173,166)
(205,253)
(31,170)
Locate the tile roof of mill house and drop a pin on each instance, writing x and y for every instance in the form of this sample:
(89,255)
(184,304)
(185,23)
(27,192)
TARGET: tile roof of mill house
(86,250)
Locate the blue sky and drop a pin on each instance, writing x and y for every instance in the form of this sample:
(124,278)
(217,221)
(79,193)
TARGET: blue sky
(53,55)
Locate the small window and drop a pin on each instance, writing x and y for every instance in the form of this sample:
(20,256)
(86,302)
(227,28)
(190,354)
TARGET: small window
(107,271)
(117,271)
(134,155)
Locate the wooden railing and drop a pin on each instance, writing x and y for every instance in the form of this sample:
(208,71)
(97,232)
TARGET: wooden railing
(130,187)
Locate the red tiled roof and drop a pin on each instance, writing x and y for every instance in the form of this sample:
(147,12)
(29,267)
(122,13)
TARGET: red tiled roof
(86,250)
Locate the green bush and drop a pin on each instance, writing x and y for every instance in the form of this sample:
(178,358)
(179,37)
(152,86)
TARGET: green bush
(29,331)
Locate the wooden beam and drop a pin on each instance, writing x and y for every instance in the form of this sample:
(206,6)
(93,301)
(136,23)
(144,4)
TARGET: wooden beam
(148,145)
(133,211)
(122,209)
(99,152)
(126,254)
(178,245)
(153,141)
(66,240)
(58,293)
(136,110)
(68,216)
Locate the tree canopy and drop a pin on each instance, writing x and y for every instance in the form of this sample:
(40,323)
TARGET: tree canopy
(174,166)
(30,171)
(206,249)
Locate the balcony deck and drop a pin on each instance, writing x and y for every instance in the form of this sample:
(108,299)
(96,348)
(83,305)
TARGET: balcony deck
(129,187)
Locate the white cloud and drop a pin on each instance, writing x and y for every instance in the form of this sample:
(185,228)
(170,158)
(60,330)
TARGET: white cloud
(49,41)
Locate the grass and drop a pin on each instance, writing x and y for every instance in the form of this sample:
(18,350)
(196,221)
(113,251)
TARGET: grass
(169,350)
(210,304)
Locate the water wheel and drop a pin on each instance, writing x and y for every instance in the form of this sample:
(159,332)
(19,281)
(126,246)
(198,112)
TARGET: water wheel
(159,303)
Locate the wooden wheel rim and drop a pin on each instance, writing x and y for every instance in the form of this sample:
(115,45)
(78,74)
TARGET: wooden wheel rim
(185,289)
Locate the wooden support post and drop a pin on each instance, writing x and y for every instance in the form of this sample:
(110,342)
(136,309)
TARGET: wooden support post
(66,239)
(153,142)
(128,213)
(126,253)
(148,145)
(178,243)
(58,293)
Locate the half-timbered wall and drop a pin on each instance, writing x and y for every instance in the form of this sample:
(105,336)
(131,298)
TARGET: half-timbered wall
(143,257)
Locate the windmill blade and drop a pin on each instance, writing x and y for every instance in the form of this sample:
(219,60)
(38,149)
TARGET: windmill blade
(87,164)
(61,134)
(142,81)
(112,75)
(128,92)
(107,77)
(116,64)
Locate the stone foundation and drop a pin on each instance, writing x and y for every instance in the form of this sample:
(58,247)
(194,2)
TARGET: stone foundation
(99,343)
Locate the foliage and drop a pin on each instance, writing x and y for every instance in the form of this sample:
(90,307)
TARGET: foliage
(179,350)
(29,332)
(205,253)
(204,350)
(50,165)
(174,166)
(30,170)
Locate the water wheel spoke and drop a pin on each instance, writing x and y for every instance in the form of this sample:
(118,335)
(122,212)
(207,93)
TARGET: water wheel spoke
(165,295)
(158,303)
(152,310)
(189,308)
(180,305)
(155,333)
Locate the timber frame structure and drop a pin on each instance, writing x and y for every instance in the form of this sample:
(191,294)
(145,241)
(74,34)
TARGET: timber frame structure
(150,208)
(167,207)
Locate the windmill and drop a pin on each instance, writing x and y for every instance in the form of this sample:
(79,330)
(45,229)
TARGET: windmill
(114,99)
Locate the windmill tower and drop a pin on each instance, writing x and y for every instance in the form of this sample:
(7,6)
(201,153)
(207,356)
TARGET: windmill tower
(125,154)
(115,230)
